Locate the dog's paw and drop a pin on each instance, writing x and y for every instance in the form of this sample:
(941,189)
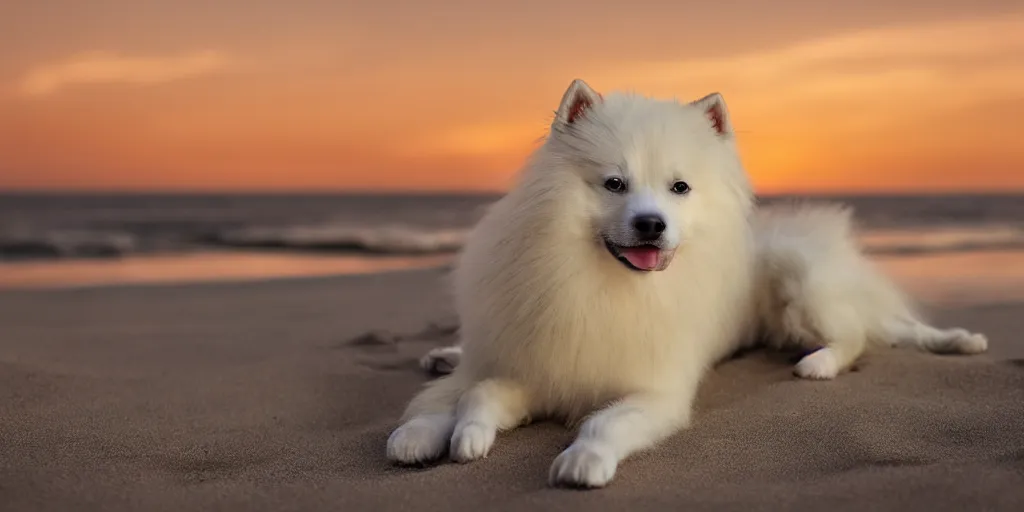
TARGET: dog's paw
(583,464)
(441,361)
(420,440)
(819,365)
(971,343)
(471,441)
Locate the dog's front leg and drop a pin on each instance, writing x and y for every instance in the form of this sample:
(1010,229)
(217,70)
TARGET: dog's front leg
(634,423)
(488,407)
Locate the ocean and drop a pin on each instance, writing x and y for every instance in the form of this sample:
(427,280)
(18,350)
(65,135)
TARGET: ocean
(51,237)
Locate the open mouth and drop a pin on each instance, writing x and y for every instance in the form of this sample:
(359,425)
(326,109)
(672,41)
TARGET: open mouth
(642,258)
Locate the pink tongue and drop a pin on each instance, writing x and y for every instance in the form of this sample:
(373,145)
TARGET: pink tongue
(645,258)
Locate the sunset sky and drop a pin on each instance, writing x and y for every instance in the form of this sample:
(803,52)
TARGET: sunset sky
(879,95)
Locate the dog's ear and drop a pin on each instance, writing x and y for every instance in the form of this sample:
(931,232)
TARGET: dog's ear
(576,101)
(718,115)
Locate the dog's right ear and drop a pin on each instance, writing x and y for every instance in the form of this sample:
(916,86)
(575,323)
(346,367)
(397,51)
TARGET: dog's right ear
(576,101)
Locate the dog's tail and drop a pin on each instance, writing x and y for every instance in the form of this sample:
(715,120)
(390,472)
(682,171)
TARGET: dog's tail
(910,332)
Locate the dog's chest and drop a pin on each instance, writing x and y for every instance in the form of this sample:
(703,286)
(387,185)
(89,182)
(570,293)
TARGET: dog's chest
(591,345)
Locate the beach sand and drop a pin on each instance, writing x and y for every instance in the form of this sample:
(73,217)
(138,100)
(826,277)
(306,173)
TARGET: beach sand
(254,396)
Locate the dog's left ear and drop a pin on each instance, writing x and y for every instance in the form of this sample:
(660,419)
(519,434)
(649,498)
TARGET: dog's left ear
(576,101)
(714,108)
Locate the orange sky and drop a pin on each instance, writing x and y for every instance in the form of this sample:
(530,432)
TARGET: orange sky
(323,96)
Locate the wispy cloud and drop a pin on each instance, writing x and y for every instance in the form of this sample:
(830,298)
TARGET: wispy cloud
(954,63)
(109,68)
(862,81)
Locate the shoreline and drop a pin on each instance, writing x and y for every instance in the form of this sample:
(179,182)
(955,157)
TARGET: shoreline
(954,279)
(201,267)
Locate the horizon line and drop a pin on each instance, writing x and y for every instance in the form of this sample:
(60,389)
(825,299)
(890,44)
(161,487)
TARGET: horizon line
(471,192)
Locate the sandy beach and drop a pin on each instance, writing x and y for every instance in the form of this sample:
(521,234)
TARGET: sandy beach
(267,396)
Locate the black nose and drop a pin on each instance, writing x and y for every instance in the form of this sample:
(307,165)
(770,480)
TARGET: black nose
(648,227)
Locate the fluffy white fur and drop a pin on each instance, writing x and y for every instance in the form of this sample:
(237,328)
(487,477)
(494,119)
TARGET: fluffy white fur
(554,326)
(815,289)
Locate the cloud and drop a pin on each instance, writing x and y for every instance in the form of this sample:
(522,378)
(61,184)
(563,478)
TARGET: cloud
(880,80)
(108,68)
(952,63)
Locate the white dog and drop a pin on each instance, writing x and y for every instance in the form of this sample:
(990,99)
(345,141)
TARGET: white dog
(621,268)
(603,286)
(815,289)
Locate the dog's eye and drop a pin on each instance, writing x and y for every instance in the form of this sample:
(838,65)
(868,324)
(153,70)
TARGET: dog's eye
(680,187)
(615,185)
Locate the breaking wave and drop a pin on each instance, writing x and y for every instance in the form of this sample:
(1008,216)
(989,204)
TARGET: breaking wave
(410,240)
(380,240)
(394,240)
(943,239)
(67,244)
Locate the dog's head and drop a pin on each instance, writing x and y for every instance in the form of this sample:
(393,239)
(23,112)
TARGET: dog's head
(657,174)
